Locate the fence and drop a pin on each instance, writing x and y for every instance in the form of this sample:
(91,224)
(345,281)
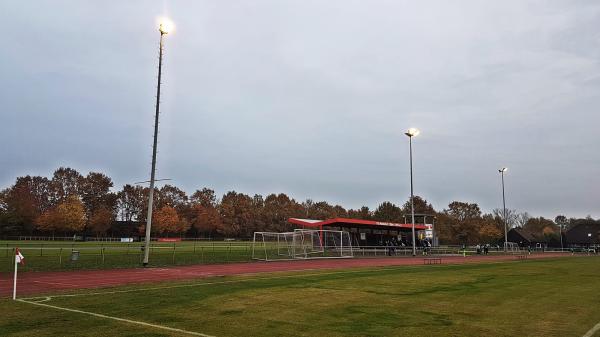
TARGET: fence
(83,255)
(48,255)
(105,239)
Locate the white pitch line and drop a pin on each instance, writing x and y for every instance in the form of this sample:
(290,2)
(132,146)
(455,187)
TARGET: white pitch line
(193,333)
(593,330)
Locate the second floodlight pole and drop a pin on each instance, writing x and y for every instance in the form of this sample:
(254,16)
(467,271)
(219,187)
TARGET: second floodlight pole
(504,211)
(154,144)
(412,200)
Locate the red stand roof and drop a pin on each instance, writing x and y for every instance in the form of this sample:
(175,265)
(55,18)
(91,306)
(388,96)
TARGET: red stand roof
(350,222)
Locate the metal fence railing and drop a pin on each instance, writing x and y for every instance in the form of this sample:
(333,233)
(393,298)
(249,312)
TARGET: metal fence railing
(83,255)
(48,255)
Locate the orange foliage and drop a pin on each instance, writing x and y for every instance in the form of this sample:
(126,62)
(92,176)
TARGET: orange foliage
(166,220)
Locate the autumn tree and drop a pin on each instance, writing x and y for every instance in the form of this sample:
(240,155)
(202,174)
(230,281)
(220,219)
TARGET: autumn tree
(339,212)
(362,213)
(98,200)
(101,221)
(20,209)
(67,217)
(46,221)
(461,222)
(236,213)
(205,197)
(206,220)
(131,201)
(259,220)
(203,214)
(320,210)
(170,195)
(71,215)
(561,221)
(95,192)
(489,231)
(421,206)
(512,217)
(388,212)
(165,220)
(463,211)
(277,209)
(26,200)
(521,219)
(40,189)
(66,182)
(541,226)
(3,213)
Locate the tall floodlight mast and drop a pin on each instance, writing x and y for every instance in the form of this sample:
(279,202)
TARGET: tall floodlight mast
(165,26)
(501,171)
(412,132)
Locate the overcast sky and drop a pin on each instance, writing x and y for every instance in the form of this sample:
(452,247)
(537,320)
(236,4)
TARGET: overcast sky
(312,98)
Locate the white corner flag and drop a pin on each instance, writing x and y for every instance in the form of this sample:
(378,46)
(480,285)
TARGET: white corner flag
(19,258)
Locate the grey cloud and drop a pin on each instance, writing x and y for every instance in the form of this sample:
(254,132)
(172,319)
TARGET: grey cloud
(311,98)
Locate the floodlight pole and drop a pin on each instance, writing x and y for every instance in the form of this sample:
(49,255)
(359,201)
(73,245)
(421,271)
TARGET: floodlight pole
(561,240)
(153,170)
(412,203)
(504,210)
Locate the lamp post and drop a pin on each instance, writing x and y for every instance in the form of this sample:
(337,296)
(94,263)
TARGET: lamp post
(561,241)
(412,132)
(165,26)
(502,170)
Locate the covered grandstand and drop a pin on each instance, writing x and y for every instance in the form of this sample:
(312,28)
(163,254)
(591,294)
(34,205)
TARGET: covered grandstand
(367,232)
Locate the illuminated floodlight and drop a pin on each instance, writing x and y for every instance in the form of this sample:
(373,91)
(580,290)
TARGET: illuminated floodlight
(165,25)
(412,132)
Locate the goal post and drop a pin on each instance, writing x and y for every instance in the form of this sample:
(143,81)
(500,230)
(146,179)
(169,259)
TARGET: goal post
(301,244)
(512,248)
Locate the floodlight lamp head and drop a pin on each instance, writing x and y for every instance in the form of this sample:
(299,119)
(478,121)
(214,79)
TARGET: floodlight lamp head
(165,26)
(412,132)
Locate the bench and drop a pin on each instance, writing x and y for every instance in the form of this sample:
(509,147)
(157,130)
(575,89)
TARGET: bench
(432,260)
(521,257)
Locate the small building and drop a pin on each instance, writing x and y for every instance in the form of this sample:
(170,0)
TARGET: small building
(584,235)
(367,232)
(525,238)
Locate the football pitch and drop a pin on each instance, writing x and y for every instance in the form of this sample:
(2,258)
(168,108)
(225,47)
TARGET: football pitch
(546,297)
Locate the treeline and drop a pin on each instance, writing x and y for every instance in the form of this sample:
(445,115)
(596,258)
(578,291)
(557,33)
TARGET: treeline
(70,203)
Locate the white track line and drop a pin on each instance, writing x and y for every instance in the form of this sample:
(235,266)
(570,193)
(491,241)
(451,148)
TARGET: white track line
(593,330)
(120,319)
(56,283)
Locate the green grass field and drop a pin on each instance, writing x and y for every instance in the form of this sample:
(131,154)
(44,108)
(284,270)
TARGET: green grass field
(549,297)
(56,255)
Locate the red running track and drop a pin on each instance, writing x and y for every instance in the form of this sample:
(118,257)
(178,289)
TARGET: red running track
(32,283)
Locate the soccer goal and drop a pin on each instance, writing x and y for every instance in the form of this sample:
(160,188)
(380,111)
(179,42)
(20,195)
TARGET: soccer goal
(512,248)
(301,244)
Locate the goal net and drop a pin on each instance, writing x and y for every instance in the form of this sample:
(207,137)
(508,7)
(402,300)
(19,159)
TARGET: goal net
(512,248)
(301,244)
